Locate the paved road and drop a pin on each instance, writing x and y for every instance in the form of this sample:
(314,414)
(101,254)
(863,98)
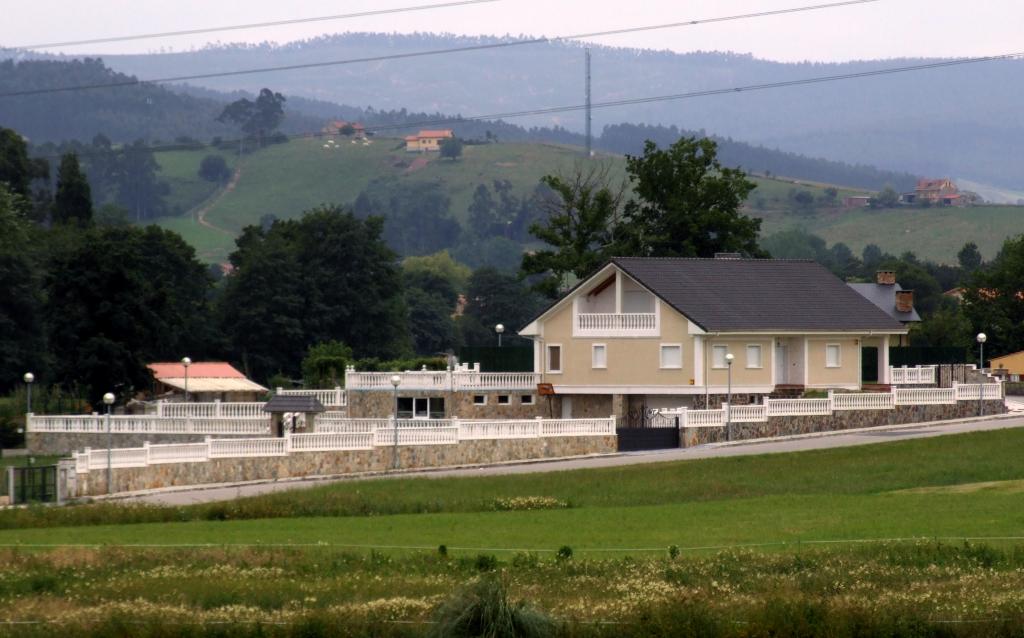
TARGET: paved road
(794,444)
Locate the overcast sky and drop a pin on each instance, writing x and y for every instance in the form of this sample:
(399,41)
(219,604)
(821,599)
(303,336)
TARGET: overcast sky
(883,29)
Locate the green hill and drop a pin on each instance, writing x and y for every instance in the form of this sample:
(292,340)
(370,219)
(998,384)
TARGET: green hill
(286,179)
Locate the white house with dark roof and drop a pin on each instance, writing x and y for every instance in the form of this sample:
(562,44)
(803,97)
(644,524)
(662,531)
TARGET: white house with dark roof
(652,333)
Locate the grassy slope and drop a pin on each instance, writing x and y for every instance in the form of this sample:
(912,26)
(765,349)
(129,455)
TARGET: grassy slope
(287,179)
(819,495)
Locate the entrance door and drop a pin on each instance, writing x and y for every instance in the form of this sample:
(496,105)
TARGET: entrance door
(869,365)
(566,407)
(781,364)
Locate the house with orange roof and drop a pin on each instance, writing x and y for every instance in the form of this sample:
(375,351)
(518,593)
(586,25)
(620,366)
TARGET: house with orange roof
(937,192)
(427,141)
(204,381)
(338,127)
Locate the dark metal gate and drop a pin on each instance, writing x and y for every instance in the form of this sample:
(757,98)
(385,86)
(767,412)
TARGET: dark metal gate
(34,484)
(647,430)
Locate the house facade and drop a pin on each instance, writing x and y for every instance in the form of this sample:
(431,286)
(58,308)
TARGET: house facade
(656,333)
(937,192)
(205,381)
(427,141)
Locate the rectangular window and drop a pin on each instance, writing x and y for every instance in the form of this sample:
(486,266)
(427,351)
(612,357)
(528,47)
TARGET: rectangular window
(754,356)
(718,359)
(421,408)
(599,356)
(526,399)
(479,399)
(554,359)
(436,409)
(672,356)
(833,353)
(503,399)
(404,407)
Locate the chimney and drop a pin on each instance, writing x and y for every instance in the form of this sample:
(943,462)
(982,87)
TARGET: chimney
(886,277)
(904,301)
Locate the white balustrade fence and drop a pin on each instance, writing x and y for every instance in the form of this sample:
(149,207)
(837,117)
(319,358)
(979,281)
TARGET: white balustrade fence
(147,424)
(862,401)
(976,391)
(745,413)
(919,375)
(798,407)
(701,418)
(924,396)
(443,381)
(611,324)
(334,397)
(342,435)
(214,410)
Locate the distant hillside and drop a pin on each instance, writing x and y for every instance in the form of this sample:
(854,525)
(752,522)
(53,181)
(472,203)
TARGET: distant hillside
(957,121)
(123,114)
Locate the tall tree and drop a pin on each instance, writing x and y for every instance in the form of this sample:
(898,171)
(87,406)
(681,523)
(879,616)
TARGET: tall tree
(969,257)
(120,297)
(994,299)
(256,119)
(15,166)
(494,298)
(22,340)
(327,276)
(580,229)
(73,202)
(688,204)
(138,189)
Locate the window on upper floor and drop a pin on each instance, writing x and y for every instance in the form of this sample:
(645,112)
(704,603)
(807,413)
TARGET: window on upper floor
(599,356)
(754,356)
(718,354)
(671,356)
(554,358)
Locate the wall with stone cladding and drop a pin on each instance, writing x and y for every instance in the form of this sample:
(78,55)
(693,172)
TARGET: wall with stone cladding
(841,420)
(301,464)
(376,405)
(54,443)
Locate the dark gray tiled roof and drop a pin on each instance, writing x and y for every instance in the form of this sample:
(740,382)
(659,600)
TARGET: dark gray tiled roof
(293,403)
(757,294)
(884,296)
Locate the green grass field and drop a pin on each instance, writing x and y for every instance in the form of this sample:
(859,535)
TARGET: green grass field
(648,552)
(287,179)
(857,492)
(931,233)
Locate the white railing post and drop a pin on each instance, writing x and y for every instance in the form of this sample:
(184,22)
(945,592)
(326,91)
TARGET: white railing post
(145,451)
(540,425)
(287,443)
(217,408)
(458,428)
(209,447)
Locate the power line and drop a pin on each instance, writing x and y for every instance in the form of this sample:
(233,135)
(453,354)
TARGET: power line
(659,98)
(418,54)
(253,25)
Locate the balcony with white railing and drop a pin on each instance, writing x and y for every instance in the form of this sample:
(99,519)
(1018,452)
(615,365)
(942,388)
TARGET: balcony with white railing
(329,398)
(625,324)
(463,378)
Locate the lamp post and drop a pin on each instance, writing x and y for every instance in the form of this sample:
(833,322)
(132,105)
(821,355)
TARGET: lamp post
(982,338)
(500,328)
(29,378)
(186,362)
(728,401)
(108,398)
(395,381)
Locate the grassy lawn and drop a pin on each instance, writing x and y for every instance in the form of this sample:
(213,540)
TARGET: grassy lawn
(180,169)
(931,233)
(647,557)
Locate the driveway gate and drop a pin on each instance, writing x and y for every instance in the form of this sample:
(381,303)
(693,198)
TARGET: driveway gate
(34,484)
(647,430)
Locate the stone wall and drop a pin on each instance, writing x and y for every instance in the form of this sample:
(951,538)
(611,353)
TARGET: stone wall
(301,464)
(55,443)
(839,420)
(370,404)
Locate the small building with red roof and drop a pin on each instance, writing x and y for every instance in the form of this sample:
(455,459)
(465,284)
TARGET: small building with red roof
(205,381)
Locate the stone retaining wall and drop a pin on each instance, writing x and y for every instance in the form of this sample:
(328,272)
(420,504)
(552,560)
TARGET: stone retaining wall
(300,464)
(56,443)
(839,420)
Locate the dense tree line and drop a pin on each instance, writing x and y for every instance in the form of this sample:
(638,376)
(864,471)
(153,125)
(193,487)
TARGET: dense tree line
(89,303)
